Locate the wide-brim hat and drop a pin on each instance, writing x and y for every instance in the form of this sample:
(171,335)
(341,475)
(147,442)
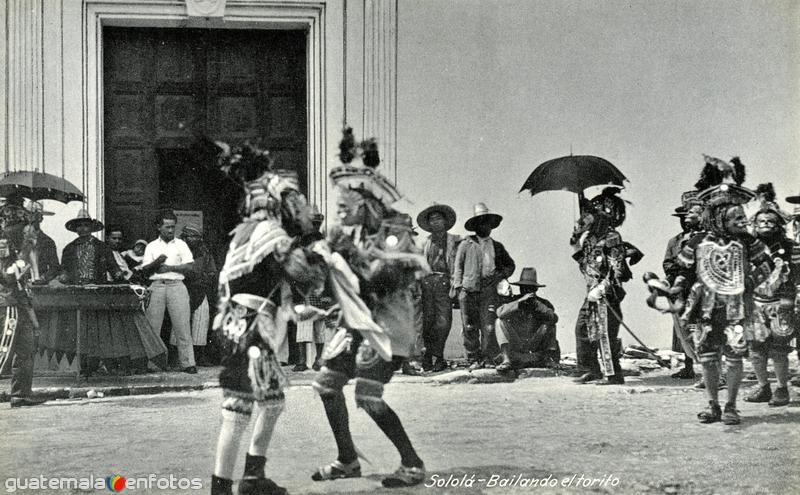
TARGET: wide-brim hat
(680,212)
(528,278)
(795,200)
(448,213)
(83,218)
(481,213)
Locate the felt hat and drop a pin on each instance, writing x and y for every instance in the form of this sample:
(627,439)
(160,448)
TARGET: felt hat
(192,229)
(448,213)
(528,277)
(679,212)
(83,218)
(481,213)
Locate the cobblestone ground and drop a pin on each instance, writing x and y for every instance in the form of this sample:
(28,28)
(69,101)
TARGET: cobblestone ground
(639,438)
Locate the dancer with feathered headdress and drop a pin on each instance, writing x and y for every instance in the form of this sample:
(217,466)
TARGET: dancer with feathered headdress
(266,260)
(774,299)
(373,262)
(711,272)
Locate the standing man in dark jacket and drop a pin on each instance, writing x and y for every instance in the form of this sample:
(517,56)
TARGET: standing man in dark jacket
(439,250)
(481,263)
(44,255)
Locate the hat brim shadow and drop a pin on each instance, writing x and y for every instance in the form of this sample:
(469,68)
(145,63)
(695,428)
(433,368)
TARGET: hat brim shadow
(526,284)
(448,213)
(73,224)
(492,218)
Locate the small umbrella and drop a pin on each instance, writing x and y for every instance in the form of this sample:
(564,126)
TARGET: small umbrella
(572,173)
(37,186)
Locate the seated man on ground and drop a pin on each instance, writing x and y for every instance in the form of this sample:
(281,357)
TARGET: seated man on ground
(526,328)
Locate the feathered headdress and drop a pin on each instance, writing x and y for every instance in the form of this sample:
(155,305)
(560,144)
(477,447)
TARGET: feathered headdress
(610,204)
(358,169)
(766,195)
(718,171)
(253,168)
(721,182)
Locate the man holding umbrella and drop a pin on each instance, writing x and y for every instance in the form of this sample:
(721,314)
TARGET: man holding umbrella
(481,263)
(439,250)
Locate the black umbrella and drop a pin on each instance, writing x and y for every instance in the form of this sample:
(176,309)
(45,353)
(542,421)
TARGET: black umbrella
(37,186)
(573,173)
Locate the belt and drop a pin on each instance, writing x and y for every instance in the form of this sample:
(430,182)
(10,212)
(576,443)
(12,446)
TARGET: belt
(166,281)
(439,273)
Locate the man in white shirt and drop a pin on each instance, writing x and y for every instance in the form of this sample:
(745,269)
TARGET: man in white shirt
(169,259)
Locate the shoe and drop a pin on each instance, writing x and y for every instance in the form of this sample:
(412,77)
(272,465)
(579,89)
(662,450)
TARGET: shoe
(337,470)
(712,413)
(684,374)
(613,380)
(795,380)
(427,362)
(26,402)
(317,365)
(780,397)
(440,365)
(260,486)
(300,367)
(731,416)
(762,394)
(586,378)
(701,385)
(504,367)
(221,486)
(192,370)
(404,476)
(409,369)
(475,365)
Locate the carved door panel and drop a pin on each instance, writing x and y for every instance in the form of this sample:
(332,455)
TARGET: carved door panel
(164,89)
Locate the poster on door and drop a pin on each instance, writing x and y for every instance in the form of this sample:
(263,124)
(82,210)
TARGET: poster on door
(188,217)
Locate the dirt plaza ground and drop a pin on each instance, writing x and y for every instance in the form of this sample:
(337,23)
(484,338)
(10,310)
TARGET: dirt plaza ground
(475,438)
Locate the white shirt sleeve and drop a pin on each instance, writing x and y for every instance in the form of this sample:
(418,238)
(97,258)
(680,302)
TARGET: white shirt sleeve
(184,252)
(149,254)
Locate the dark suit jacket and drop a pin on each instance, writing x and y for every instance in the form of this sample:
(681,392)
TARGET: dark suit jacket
(103,261)
(47,257)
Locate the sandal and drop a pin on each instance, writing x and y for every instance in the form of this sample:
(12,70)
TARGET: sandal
(405,476)
(712,414)
(731,415)
(337,470)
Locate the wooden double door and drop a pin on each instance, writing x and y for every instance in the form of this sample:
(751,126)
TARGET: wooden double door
(167,91)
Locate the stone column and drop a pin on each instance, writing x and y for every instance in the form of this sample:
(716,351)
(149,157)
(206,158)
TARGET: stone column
(24,86)
(379,83)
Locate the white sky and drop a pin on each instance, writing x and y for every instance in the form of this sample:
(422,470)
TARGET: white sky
(490,89)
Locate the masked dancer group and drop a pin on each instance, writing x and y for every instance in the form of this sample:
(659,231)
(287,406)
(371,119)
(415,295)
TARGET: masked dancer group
(732,287)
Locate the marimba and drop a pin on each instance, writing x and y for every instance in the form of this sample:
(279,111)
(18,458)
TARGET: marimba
(95,321)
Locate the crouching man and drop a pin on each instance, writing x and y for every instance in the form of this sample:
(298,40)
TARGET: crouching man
(526,328)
